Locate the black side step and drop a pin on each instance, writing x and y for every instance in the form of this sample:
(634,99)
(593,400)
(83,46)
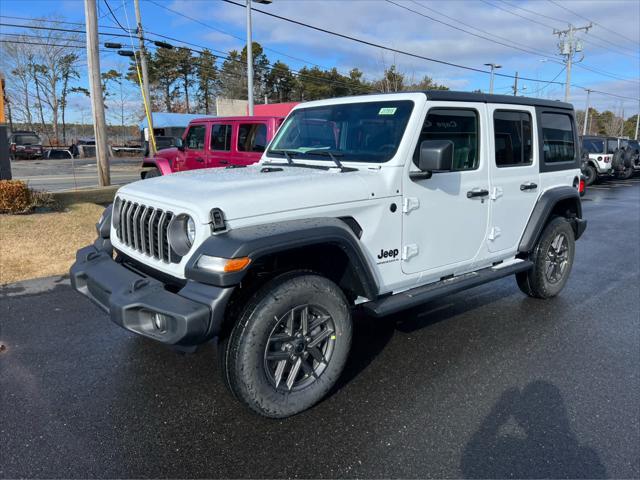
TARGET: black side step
(416,296)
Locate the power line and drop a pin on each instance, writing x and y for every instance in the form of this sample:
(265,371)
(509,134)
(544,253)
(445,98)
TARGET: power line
(395,50)
(557,4)
(114,16)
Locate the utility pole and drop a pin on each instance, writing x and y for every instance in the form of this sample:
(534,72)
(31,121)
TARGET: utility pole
(515,85)
(637,123)
(249,60)
(586,115)
(95,84)
(568,47)
(493,66)
(145,79)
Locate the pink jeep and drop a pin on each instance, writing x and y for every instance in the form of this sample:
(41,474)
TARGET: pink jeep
(215,142)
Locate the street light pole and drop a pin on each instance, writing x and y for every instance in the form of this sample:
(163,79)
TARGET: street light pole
(493,66)
(250,55)
(249,60)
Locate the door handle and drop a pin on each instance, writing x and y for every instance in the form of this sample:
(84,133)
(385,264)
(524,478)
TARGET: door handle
(477,192)
(528,186)
(199,159)
(223,162)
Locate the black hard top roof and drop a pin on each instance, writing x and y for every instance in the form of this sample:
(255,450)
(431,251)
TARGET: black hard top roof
(451,96)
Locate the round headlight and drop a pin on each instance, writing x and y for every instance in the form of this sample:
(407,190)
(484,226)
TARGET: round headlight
(191,230)
(182,233)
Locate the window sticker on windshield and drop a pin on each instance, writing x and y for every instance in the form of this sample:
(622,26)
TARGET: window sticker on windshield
(387,111)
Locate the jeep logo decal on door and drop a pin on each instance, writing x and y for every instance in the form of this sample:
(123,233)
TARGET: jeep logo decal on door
(388,255)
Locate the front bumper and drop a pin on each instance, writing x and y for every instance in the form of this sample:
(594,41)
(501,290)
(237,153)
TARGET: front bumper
(144,305)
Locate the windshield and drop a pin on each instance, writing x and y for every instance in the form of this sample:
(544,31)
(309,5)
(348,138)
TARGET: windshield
(593,145)
(359,132)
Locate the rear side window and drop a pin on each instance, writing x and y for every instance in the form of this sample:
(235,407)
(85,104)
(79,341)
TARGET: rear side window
(558,138)
(612,145)
(221,137)
(593,145)
(252,137)
(513,141)
(195,137)
(457,125)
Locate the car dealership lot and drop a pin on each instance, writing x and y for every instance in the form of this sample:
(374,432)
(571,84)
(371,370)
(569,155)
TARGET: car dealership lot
(485,383)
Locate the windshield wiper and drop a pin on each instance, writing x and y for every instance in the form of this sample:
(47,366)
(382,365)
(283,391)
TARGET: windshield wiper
(287,154)
(331,155)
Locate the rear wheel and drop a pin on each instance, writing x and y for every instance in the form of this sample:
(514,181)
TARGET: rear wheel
(552,261)
(289,346)
(591,175)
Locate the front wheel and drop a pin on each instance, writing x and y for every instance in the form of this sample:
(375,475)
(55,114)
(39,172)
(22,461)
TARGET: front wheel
(552,261)
(154,172)
(289,346)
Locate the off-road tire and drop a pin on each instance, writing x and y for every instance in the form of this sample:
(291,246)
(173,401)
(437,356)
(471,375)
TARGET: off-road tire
(591,175)
(627,173)
(536,282)
(245,366)
(154,172)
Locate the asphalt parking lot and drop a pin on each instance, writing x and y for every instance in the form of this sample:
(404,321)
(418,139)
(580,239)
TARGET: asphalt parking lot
(55,175)
(484,384)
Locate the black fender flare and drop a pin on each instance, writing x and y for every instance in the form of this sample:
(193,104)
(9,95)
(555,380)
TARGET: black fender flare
(260,240)
(543,211)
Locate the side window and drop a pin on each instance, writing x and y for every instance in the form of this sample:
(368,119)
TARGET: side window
(458,125)
(221,137)
(195,137)
(252,137)
(612,145)
(558,138)
(512,131)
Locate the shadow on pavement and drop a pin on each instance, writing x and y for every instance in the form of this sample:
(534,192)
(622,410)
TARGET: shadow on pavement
(527,435)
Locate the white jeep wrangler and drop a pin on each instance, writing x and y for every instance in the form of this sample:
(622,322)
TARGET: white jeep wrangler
(379,202)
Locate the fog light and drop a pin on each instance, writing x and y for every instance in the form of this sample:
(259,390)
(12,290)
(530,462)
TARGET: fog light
(160,322)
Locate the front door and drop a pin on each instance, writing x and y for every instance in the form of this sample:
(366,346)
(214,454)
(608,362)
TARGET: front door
(195,155)
(445,217)
(515,174)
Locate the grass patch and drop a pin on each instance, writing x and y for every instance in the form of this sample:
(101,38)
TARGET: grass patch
(44,244)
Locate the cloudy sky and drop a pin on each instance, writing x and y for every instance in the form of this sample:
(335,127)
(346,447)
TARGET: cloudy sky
(516,34)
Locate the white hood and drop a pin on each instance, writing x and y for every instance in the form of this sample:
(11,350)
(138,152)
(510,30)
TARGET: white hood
(248,192)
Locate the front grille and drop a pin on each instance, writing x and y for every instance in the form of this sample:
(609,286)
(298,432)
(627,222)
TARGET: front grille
(145,229)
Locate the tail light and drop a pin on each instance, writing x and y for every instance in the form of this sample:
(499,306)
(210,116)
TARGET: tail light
(607,159)
(581,186)
(13,147)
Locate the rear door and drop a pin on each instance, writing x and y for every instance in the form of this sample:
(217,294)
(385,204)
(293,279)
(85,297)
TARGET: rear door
(251,141)
(220,154)
(515,174)
(195,155)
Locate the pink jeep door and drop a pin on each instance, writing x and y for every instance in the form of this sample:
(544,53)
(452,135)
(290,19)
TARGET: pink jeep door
(251,141)
(220,154)
(195,155)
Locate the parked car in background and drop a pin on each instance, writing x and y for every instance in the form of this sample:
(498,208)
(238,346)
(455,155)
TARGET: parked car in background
(600,151)
(215,142)
(633,146)
(24,144)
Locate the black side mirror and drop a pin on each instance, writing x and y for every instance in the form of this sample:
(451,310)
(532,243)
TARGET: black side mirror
(435,156)
(179,144)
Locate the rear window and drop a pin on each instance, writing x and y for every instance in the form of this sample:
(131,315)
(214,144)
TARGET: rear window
(221,137)
(26,139)
(558,138)
(252,137)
